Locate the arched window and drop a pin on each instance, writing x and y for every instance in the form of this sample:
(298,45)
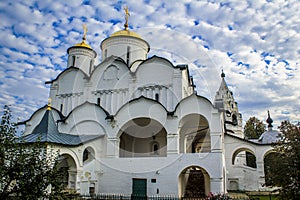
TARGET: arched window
(85,155)
(250,160)
(105,54)
(156,96)
(91,66)
(73,61)
(155,148)
(128,55)
(234,120)
(88,154)
(92,188)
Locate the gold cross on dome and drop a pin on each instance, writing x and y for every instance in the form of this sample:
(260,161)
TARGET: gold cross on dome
(85,29)
(127,14)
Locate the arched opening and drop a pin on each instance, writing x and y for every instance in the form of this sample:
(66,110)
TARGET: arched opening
(244,157)
(88,155)
(194,181)
(270,160)
(67,164)
(194,134)
(234,120)
(143,137)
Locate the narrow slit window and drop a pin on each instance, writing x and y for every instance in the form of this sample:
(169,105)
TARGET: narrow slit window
(91,65)
(61,107)
(98,101)
(105,54)
(128,55)
(73,60)
(156,96)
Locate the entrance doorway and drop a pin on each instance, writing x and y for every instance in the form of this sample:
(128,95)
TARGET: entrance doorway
(194,181)
(139,188)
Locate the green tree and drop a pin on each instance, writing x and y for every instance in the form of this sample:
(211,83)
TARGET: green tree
(26,171)
(254,128)
(285,169)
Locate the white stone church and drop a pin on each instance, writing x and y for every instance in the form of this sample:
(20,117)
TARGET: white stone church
(135,125)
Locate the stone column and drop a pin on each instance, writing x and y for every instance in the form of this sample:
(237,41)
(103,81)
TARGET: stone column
(260,172)
(216,185)
(113,147)
(172,143)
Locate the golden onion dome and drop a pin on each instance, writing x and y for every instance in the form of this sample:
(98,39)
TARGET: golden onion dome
(83,44)
(126,32)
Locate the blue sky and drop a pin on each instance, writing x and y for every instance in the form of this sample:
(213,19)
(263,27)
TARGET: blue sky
(256,42)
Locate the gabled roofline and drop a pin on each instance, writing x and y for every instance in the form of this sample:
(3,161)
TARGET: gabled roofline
(139,98)
(107,62)
(156,57)
(197,96)
(44,107)
(65,71)
(86,102)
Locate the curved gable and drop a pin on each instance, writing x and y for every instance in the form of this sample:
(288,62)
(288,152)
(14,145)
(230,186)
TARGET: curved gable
(65,71)
(108,61)
(155,70)
(112,74)
(141,107)
(195,104)
(160,59)
(70,80)
(86,119)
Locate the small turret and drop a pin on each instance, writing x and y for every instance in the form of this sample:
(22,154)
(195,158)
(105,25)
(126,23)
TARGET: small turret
(81,55)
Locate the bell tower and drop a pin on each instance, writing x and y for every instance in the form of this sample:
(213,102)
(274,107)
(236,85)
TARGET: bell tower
(224,102)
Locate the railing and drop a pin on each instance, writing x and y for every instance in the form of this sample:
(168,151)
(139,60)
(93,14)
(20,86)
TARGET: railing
(135,197)
(151,197)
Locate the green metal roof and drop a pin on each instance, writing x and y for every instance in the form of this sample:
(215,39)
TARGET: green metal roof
(47,132)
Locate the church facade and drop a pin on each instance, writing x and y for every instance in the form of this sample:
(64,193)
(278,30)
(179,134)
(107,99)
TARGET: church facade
(135,125)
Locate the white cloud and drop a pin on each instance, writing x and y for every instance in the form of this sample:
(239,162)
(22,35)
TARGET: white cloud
(255,42)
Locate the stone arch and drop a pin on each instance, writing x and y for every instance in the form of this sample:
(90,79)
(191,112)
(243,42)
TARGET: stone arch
(137,136)
(244,156)
(68,165)
(194,134)
(193,181)
(91,127)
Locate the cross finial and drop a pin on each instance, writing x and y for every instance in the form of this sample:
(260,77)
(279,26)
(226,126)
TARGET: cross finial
(222,74)
(269,120)
(127,14)
(49,104)
(85,29)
